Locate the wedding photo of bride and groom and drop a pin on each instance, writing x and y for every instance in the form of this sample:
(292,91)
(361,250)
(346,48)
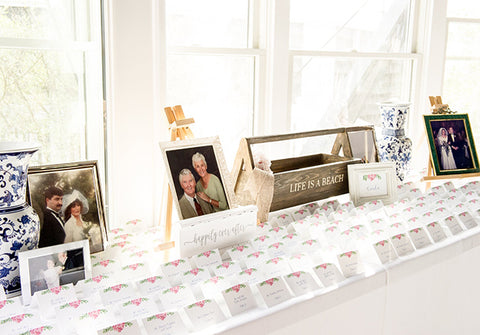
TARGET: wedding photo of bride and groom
(452,145)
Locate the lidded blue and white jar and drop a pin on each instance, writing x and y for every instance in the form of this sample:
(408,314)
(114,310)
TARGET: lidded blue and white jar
(393,145)
(19,224)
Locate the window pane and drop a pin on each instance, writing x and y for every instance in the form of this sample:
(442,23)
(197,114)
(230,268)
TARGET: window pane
(217,91)
(463,40)
(329,92)
(41,99)
(208,23)
(461,87)
(53,20)
(463,8)
(346,25)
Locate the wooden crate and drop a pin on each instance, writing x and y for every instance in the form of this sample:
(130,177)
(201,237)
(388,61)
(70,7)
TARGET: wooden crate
(299,180)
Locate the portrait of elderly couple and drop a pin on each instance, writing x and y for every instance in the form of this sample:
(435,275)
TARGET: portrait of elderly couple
(198,182)
(68,204)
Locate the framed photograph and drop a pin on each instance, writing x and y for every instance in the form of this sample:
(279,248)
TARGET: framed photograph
(452,149)
(49,267)
(68,200)
(198,177)
(373,181)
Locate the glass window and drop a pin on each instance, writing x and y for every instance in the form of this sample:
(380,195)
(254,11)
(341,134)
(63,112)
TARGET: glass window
(47,74)
(463,8)
(208,23)
(348,25)
(332,92)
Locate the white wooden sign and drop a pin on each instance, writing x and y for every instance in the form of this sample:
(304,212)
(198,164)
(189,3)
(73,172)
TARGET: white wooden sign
(217,230)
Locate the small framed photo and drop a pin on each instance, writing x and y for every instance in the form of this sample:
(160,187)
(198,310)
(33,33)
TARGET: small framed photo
(373,181)
(49,267)
(198,176)
(68,200)
(452,149)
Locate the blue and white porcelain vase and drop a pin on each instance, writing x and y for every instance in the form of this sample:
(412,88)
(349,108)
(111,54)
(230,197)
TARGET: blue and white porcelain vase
(19,224)
(393,145)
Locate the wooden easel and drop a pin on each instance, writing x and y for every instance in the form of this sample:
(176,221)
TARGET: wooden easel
(438,107)
(179,128)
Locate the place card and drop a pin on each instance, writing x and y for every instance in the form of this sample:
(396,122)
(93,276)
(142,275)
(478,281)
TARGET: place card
(319,218)
(436,231)
(122,237)
(402,244)
(468,220)
(90,286)
(440,212)
(328,274)
(471,195)
(152,285)
(309,246)
(169,323)
(227,268)
(274,291)
(282,218)
(255,258)
(250,276)
(301,227)
(275,267)
(105,267)
(115,249)
(300,261)
(325,210)
(332,203)
(263,228)
(385,251)
(340,214)
(134,271)
(139,256)
(55,296)
(262,242)
(301,282)
(300,214)
(474,204)
(124,328)
(433,196)
(19,323)
(135,226)
(349,263)
(419,237)
(10,307)
(239,298)
(374,205)
(204,313)
(136,308)
(73,309)
(96,319)
(176,297)
(117,293)
(452,223)
(195,276)
(172,270)
(214,285)
(277,232)
(311,207)
(427,217)
(239,252)
(208,258)
(291,240)
(277,249)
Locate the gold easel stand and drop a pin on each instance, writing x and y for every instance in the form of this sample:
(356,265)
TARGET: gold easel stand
(438,107)
(179,128)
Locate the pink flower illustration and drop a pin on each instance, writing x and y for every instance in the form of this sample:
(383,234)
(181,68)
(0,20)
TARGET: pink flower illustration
(116,288)
(75,304)
(206,253)
(416,230)
(175,289)
(161,316)
(262,238)
(349,253)
(261,225)
(240,248)
(382,243)
(275,260)
(433,224)
(97,279)
(121,244)
(175,263)
(105,263)
(270,281)
(324,266)
(133,266)
(214,279)
(136,302)
(276,245)
(200,303)
(283,216)
(37,331)
(248,271)
(152,280)
(236,288)
(226,265)
(371,177)
(396,225)
(123,236)
(297,274)
(94,314)
(194,271)
(56,290)
(134,222)
(428,214)
(290,236)
(256,254)
(276,229)
(116,230)
(18,318)
(309,242)
(119,327)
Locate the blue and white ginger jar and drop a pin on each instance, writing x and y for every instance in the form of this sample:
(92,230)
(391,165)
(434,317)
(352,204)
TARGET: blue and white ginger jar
(393,145)
(19,224)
